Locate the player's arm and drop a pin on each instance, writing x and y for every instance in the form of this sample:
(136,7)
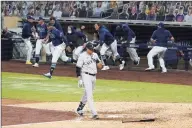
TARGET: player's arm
(153,37)
(79,66)
(101,38)
(81,35)
(171,36)
(99,63)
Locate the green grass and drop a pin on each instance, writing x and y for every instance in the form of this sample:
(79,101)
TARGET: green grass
(39,88)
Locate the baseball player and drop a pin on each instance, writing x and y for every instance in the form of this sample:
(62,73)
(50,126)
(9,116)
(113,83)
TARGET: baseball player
(57,25)
(107,41)
(159,38)
(59,46)
(86,69)
(77,39)
(126,36)
(42,33)
(27,33)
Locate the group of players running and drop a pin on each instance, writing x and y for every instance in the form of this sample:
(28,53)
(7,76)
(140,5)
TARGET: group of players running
(55,42)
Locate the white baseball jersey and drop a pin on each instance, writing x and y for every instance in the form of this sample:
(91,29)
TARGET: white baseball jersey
(88,63)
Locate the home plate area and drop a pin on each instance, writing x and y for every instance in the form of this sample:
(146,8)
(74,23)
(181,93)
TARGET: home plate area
(112,115)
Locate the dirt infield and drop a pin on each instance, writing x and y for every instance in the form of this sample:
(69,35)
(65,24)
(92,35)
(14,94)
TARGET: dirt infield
(29,114)
(183,78)
(112,115)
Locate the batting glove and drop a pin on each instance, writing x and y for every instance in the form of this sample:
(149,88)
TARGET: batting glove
(80,83)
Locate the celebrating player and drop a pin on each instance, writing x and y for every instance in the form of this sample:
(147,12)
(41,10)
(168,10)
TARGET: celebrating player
(107,41)
(59,46)
(77,39)
(86,69)
(42,33)
(27,33)
(127,36)
(159,38)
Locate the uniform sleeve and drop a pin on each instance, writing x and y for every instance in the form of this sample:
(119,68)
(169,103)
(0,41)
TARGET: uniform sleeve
(27,30)
(81,35)
(98,58)
(102,36)
(154,36)
(129,35)
(57,33)
(80,61)
(169,34)
(58,26)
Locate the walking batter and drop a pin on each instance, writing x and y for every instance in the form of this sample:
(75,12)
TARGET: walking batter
(160,38)
(127,36)
(107,41)
(86,69)
(42,34)
(56,37)
(26,35)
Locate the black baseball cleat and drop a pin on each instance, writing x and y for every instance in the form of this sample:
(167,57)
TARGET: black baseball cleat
(80,112)
(95,117)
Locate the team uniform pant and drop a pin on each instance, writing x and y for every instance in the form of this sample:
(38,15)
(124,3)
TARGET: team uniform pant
(113,48)
(39,45)
(89,85)
(29,48)
(156,50)
(62,55)
(57,52)
(76,52)
(132,51)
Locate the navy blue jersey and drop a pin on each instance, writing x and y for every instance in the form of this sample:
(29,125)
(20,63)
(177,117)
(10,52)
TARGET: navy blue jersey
(162,36)
(77,38)
(56,37)
(27,30)
(129,34)
(105,36)
(42,30)
(57,25)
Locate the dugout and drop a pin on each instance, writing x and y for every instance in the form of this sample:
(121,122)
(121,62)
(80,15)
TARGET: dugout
(181,31)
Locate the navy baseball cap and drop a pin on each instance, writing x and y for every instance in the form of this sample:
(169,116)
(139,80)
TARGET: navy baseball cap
(30,17)
(90,46)
(161,25)
(40,18)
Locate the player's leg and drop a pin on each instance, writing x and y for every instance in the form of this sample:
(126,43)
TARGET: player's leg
(154,51)
(47,49)
(113,47)
(56,54)
(88,84)
(37,52)
(103,50)
(82,104)
(29,50)
(64,57)
(133,53)
(161,59)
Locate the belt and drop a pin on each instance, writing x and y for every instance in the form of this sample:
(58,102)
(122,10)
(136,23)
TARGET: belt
(89,74)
